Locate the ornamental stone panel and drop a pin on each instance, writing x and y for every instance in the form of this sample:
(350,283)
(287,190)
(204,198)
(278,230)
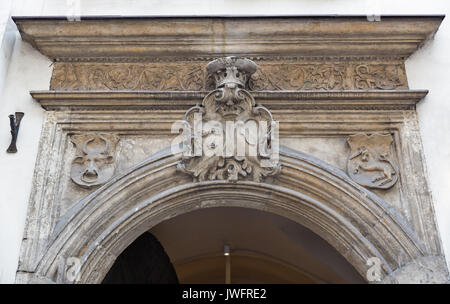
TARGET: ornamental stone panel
(350,162)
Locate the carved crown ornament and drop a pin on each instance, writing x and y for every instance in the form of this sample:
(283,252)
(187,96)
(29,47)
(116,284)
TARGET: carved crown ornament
(227,136)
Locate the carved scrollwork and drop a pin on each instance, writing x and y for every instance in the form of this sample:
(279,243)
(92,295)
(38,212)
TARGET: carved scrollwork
(370,162)
(299,77)
(382,77)
(128,77)
(190,76)
(236,137)
(93,164)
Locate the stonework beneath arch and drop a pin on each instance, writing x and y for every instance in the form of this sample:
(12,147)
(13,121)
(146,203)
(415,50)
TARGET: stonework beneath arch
(294,194)
(425,270)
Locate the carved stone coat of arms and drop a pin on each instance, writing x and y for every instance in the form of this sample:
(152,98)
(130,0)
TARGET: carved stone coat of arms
(370,162)
(238,138)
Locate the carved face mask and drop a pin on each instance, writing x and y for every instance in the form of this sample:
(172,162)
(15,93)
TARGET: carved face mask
(94,164)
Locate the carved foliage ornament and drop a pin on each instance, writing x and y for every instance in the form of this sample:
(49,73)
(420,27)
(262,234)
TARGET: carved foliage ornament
(381,77)
(124,76)
(327,76)
(370,162)
(190,76)
(228,136)
(93,164)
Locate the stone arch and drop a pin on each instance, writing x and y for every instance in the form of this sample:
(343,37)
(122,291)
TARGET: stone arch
(308,191)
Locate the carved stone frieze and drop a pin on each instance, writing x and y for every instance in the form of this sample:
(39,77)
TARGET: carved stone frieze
(370,162)
(236,137)
(384,77)
(325,76)
(190,76)
(93,164)
(69,76)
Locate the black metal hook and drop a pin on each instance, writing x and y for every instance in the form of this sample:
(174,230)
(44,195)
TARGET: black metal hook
(14,122)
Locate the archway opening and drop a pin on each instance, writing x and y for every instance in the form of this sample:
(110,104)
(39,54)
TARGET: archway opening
(354,221)
(263,248)
(143,262)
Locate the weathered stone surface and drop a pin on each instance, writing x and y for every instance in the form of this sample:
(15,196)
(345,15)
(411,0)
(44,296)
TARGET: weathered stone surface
(357,208)
(93,164)
(305,130)
(182,75)
(321,92)
(370,162)
(163,38)
(252,153)
(424,270)
(276,101)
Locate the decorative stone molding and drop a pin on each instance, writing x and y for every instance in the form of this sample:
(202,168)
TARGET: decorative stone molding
(384,77)
(331,78)
(128,37)
(230,112)
(191,76)
(388,100)
(302,193)
(370,162)
(122,76)
(367,55)
(94,161)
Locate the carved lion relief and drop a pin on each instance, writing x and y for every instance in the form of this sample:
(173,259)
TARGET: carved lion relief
(230,112)
(370,162)
(93,164)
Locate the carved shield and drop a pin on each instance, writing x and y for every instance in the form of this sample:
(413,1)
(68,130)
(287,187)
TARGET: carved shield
(370,162)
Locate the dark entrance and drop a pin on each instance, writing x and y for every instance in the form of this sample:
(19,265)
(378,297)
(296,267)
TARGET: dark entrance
(143,262)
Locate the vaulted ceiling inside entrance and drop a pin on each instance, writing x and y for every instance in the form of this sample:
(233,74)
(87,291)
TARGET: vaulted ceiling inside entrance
(264,248)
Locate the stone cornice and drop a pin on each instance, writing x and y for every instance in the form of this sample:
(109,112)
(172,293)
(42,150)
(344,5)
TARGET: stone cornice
(275,59)
(276,100)
(100,37)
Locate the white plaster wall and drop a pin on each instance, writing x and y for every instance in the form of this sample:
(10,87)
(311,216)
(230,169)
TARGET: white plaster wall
(28,70)
(7,39)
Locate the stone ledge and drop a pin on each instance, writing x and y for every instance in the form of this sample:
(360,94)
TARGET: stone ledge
(105,37)
(179,100)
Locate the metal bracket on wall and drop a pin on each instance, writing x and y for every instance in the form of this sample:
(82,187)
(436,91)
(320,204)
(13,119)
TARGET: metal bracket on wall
(14,121)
